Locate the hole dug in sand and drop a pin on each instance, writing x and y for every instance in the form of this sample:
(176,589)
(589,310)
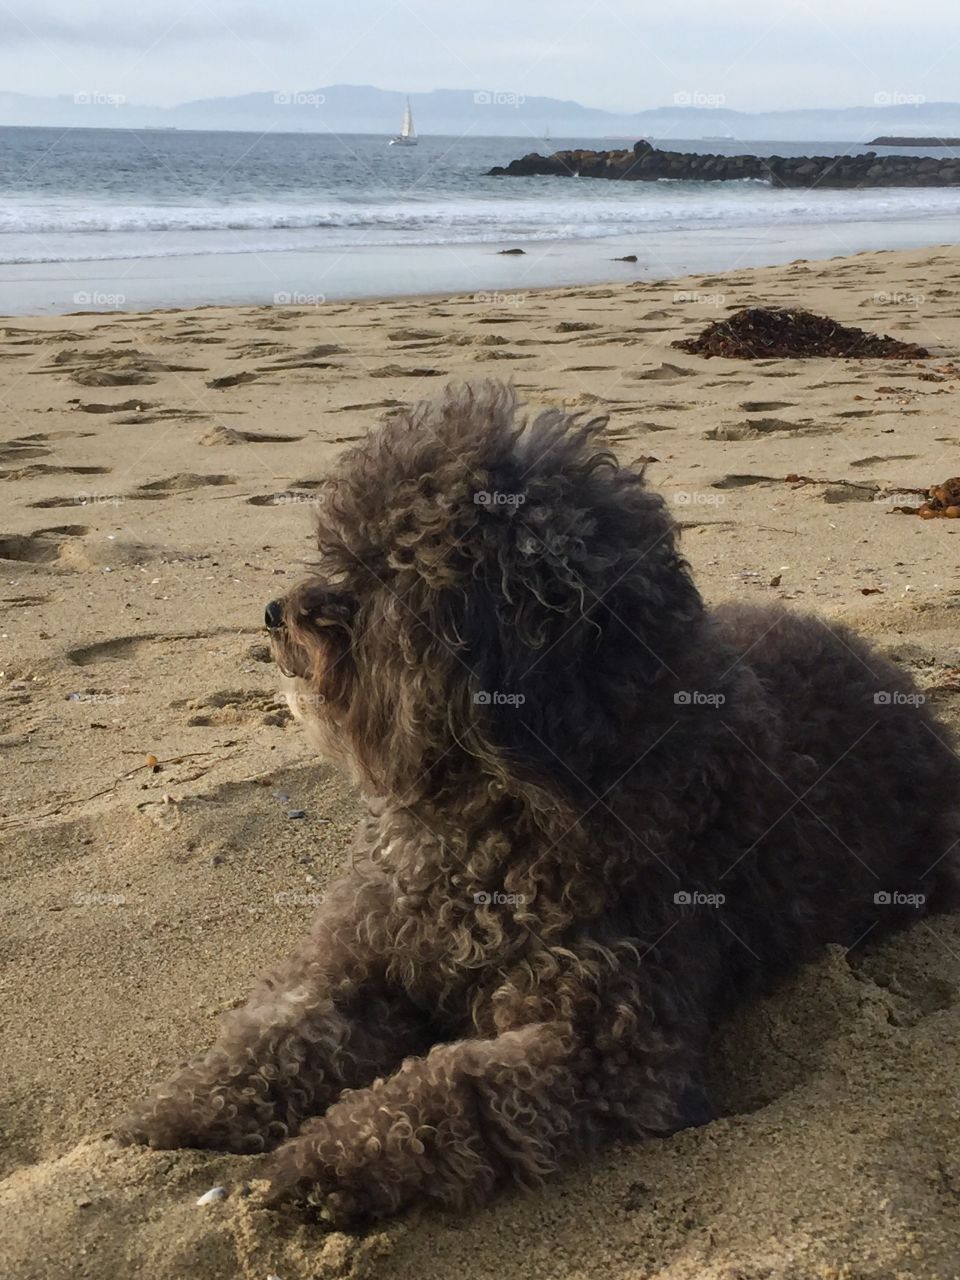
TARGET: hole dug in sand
(45,546)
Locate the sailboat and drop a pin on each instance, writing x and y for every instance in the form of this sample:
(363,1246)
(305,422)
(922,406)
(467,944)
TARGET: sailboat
(407,137)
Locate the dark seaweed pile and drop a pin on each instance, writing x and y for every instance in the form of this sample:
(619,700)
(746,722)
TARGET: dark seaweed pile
(757,332)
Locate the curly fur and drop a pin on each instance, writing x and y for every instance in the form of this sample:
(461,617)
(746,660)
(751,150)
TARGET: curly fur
(567,761)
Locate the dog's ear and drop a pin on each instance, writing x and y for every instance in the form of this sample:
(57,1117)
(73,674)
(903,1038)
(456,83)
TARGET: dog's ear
(579,603)
(316,640)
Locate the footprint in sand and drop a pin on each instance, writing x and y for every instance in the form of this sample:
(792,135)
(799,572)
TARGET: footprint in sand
(744,481)
(415,335)
(312,358)
(237,706)
(160,415)
(887,457)
(497,354)
(20,450)
(34,469)
(124,406)
(71,500)
(111,357)
(228,435)
(112,378)
(663,373)
(112,367)
(44,546)
(183,482)
(758,428)
(232,380)
(630,429)
(395,371)
(23,602)
(69,547)
(369,404)
(176,646)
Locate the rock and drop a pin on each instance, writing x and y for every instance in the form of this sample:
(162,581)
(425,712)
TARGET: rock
(646,163)
(511,252)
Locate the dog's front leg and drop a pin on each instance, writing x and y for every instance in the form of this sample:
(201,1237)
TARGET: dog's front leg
(322,1021)
(448,1127)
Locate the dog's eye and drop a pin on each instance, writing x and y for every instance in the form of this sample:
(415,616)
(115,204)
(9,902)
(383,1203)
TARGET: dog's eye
(331,607)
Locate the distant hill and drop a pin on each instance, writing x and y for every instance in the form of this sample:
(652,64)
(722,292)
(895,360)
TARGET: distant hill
(364,109)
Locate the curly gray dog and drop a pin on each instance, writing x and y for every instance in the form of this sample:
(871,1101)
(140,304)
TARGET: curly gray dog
(597,816)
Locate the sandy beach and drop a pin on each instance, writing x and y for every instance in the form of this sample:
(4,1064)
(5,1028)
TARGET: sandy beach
(159,471)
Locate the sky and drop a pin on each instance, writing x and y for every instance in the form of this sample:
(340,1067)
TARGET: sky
(622,55)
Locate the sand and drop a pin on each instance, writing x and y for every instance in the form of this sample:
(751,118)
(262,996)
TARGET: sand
(148,517)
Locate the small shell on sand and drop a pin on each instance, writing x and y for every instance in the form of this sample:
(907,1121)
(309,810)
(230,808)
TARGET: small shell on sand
(212,1196)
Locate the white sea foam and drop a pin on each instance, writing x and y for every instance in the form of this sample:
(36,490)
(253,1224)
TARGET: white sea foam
(37,231)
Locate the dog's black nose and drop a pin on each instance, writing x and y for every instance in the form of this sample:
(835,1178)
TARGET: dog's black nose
(273,615)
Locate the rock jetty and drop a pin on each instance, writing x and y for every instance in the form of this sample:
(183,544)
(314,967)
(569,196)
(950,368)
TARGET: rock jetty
(914,142)
(646,163)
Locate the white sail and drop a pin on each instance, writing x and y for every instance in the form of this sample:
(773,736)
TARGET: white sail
(407,130)
(407,137)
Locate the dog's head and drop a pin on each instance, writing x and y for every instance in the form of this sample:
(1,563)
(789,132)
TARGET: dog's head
(490,594)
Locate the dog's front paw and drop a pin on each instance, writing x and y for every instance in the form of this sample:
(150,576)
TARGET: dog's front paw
(301,1172)
(152,1125)
(173,1120)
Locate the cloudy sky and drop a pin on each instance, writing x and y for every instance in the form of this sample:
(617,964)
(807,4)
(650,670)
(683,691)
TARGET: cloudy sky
(620,54)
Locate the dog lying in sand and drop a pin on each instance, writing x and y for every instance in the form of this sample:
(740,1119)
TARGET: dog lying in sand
(597,816)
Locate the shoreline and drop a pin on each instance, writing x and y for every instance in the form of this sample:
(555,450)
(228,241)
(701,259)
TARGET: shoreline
(358,273)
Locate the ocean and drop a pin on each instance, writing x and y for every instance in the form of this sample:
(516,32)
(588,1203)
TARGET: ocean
(107,219)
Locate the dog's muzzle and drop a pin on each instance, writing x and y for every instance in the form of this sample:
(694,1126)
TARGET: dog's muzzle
(273,616)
